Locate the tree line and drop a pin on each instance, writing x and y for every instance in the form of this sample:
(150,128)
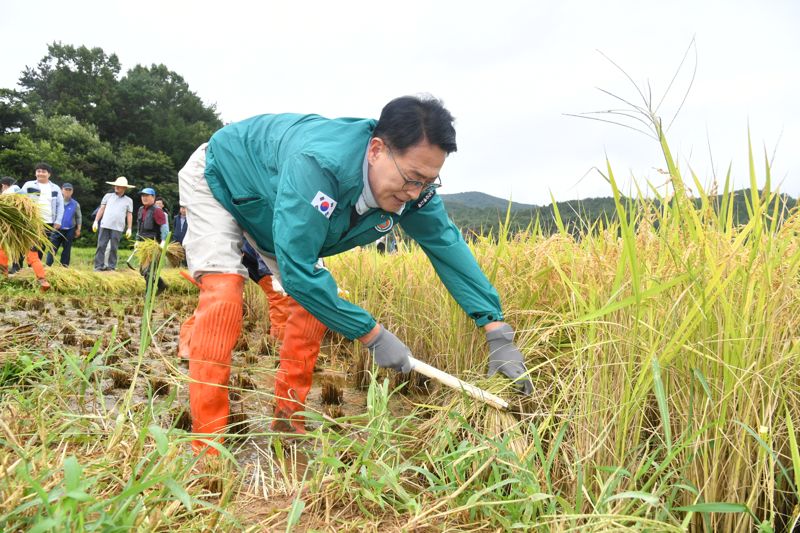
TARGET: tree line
(78,112)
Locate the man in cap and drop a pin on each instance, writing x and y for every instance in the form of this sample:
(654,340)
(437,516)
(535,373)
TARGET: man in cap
(114,215)
(302,187)
(151,223)
(70,227)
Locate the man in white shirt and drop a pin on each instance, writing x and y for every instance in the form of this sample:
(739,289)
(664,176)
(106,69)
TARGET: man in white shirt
(50,199)
(51,209)
(115,213)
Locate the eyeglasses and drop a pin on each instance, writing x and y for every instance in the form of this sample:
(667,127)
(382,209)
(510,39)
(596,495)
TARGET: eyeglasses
(435,183)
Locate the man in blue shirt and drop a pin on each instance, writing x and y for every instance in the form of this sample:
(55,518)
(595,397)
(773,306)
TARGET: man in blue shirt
(70,227)
(179,226)
(303,187)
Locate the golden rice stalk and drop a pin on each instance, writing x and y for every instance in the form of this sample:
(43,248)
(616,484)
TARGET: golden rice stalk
(443,428)
(149,250)
(21,226)
(121,282)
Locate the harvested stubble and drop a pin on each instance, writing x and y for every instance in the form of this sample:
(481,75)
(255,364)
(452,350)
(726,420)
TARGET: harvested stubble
(244,382)
(21,226)
(332,394)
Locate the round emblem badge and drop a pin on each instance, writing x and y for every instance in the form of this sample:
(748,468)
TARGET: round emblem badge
(386,225)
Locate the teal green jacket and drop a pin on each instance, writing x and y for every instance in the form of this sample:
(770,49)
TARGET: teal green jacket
(292,182)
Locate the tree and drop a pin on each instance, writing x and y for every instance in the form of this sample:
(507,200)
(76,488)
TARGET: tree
(146,168)
(74,150)
(157,110)
(14,114)
(79,82)
(76,113)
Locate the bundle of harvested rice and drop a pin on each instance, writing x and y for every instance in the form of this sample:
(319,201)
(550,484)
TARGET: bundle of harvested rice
(148,251)
(21,226)
(121,282)
(446,427)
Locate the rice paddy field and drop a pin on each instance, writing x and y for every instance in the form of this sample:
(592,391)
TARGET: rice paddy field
(664,348)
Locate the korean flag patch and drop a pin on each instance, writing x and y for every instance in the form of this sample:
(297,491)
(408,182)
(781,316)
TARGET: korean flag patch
(324,204)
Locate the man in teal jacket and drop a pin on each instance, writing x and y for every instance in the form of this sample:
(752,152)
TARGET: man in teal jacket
(303,187)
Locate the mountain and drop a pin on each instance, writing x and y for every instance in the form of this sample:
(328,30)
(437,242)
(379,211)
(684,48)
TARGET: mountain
(481,200)
(477,212)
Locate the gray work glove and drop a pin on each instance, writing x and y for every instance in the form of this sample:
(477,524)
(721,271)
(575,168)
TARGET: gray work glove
(390,352)
(505,357)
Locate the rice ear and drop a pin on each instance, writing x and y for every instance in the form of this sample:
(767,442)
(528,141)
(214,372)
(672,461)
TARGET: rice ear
(149,250)
(21,226)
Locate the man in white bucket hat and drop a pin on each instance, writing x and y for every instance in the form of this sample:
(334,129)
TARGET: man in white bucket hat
(114,215)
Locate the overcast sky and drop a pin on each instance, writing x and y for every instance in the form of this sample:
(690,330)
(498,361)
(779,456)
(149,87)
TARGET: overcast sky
(509,72)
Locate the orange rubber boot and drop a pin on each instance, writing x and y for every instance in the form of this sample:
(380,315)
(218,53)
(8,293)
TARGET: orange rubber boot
(3,263)
(38,268)
(217,325)
(298,354)
(278,308)
(183,339)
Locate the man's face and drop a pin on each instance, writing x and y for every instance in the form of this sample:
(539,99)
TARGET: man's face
(148,199)
(42,175)
(119,190)
(67,194)
(182,211)
(421,162)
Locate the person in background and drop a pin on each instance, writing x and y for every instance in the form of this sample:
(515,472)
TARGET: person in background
(115,213)
(179,226)
(151,223)
(8,185)
(51,208)
(161,205)
(48,196)
(304,187)
(259,273)
(70,227)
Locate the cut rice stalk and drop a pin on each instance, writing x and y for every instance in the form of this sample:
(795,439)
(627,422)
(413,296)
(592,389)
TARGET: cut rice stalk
(149,250)
(21,226)
(444,429)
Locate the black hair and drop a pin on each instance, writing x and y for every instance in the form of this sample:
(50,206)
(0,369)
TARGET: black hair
(407,120)
(43,166)
(8,181)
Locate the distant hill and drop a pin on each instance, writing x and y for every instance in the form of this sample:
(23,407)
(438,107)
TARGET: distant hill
(481,213)
(481,200)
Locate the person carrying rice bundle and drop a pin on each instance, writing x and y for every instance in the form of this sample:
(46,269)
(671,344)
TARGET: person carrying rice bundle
(24,217)
(151,223)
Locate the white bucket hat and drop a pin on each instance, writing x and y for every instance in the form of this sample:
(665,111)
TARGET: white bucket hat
(121,181)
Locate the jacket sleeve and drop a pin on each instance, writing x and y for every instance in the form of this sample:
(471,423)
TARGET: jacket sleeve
(78,215)
(299,232)
(59,211)
(429,225)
